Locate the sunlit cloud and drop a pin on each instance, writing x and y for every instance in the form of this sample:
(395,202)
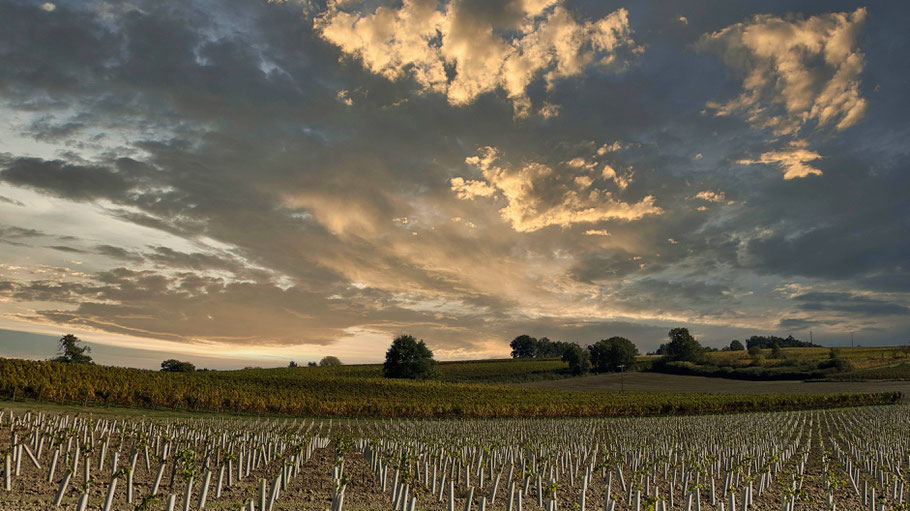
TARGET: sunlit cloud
(527,208)
(795,70)
(451,50)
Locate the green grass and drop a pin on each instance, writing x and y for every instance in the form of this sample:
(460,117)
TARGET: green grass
(859,357)
(899,371)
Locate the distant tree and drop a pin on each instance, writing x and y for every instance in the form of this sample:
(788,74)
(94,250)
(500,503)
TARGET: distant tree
(736,345)
(330,361)
(608,354)
(523,346)
(292,364)
(551,349)
(766,342)
(579,359)
(172,365)
(311,364)
(408,358)
(776,352)
(70,351)
(683,347)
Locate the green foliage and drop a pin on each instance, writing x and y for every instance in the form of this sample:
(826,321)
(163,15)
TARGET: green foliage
(339,391)
(523,346)
(609,354)
(172,365)
(70,352)
(579,360)
(736,345)
(766,342)
(754,351)
(330,361)
(683,347)
(776,352)
(408,358)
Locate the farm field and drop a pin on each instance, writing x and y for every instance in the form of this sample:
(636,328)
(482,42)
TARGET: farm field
(806,460)
(308,392)
(660,382)
(859,357)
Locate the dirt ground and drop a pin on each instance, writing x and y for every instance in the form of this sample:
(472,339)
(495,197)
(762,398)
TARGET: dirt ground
(659,382)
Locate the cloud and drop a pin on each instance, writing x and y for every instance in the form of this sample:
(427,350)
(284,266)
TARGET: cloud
(795,70)
(536,196)
(845,302)
(63,179)
(463,49)
(710,196)
(794,161)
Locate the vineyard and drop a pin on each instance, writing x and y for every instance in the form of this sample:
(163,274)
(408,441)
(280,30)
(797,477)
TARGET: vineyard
(845,459)
(307,392)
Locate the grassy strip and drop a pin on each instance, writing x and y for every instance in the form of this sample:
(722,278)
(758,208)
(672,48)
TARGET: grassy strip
(320,393)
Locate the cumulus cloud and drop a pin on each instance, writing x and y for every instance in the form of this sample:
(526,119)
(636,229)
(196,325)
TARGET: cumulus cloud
(463,50)
(536,196)
(795,71)
(710,196)
(794,161)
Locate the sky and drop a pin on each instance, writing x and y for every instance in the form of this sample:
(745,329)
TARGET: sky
(241,182)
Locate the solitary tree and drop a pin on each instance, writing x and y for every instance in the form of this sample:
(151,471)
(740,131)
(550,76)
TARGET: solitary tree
(408,358)
(172,365)
(736,345)
(683,346)
(608,354)
(71,352)
(330,361)
(292,364)
(579,359)
(523,346)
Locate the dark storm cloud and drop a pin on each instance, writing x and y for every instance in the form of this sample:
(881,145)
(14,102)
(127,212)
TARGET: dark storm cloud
(14,202)
(57,177)
(119,253)
(848,302)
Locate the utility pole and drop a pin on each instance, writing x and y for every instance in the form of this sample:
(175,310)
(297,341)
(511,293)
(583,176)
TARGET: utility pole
(810,337)
(851,339)
(622,383)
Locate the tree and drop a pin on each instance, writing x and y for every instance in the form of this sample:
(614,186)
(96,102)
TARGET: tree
(292,364)
(736,345)
(608,354)
(683,346)
(776,351)
(330,361)
(311,364)
(71,352)
(579,360)
(408,358)
(172,365)
(523,346)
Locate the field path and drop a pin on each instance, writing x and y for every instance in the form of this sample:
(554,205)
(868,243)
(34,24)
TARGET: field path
(659,382)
